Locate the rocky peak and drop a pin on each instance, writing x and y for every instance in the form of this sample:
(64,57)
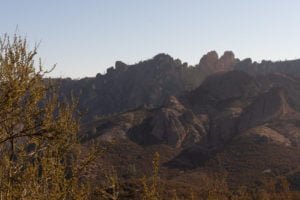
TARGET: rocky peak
(162,57)
(110,70)
(227,61)
(120,66)
(211,62)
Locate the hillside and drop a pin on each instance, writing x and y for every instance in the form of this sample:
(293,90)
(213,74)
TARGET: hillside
(245,125)
(148,83)
(233,119)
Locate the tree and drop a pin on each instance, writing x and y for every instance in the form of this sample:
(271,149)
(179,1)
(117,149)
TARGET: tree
(38,131)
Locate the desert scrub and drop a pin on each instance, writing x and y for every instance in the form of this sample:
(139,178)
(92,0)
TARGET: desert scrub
(151,189)
(39,145)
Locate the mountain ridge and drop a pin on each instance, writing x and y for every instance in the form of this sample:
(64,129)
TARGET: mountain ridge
(241,121)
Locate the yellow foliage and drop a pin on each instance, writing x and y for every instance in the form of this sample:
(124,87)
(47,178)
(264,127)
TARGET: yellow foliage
(38,132)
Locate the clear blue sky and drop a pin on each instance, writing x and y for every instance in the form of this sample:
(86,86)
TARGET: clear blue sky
(86,36)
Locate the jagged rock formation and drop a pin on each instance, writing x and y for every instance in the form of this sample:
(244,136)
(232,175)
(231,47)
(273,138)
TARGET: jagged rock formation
(149,82)
(211,63)
(173,125)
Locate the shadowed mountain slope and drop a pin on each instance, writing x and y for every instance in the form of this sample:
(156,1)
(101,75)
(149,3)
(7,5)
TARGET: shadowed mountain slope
(149,83)
(233,120)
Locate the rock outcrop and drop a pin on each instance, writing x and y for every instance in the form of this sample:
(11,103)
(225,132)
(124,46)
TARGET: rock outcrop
(211,63)
(173,125)
(268,106)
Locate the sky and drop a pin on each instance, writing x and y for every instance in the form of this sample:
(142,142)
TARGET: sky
(84,37)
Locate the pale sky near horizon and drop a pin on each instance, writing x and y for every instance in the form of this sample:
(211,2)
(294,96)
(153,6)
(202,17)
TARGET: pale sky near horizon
(86,37)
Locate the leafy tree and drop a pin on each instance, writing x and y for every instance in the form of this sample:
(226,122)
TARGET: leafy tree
(38,131)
